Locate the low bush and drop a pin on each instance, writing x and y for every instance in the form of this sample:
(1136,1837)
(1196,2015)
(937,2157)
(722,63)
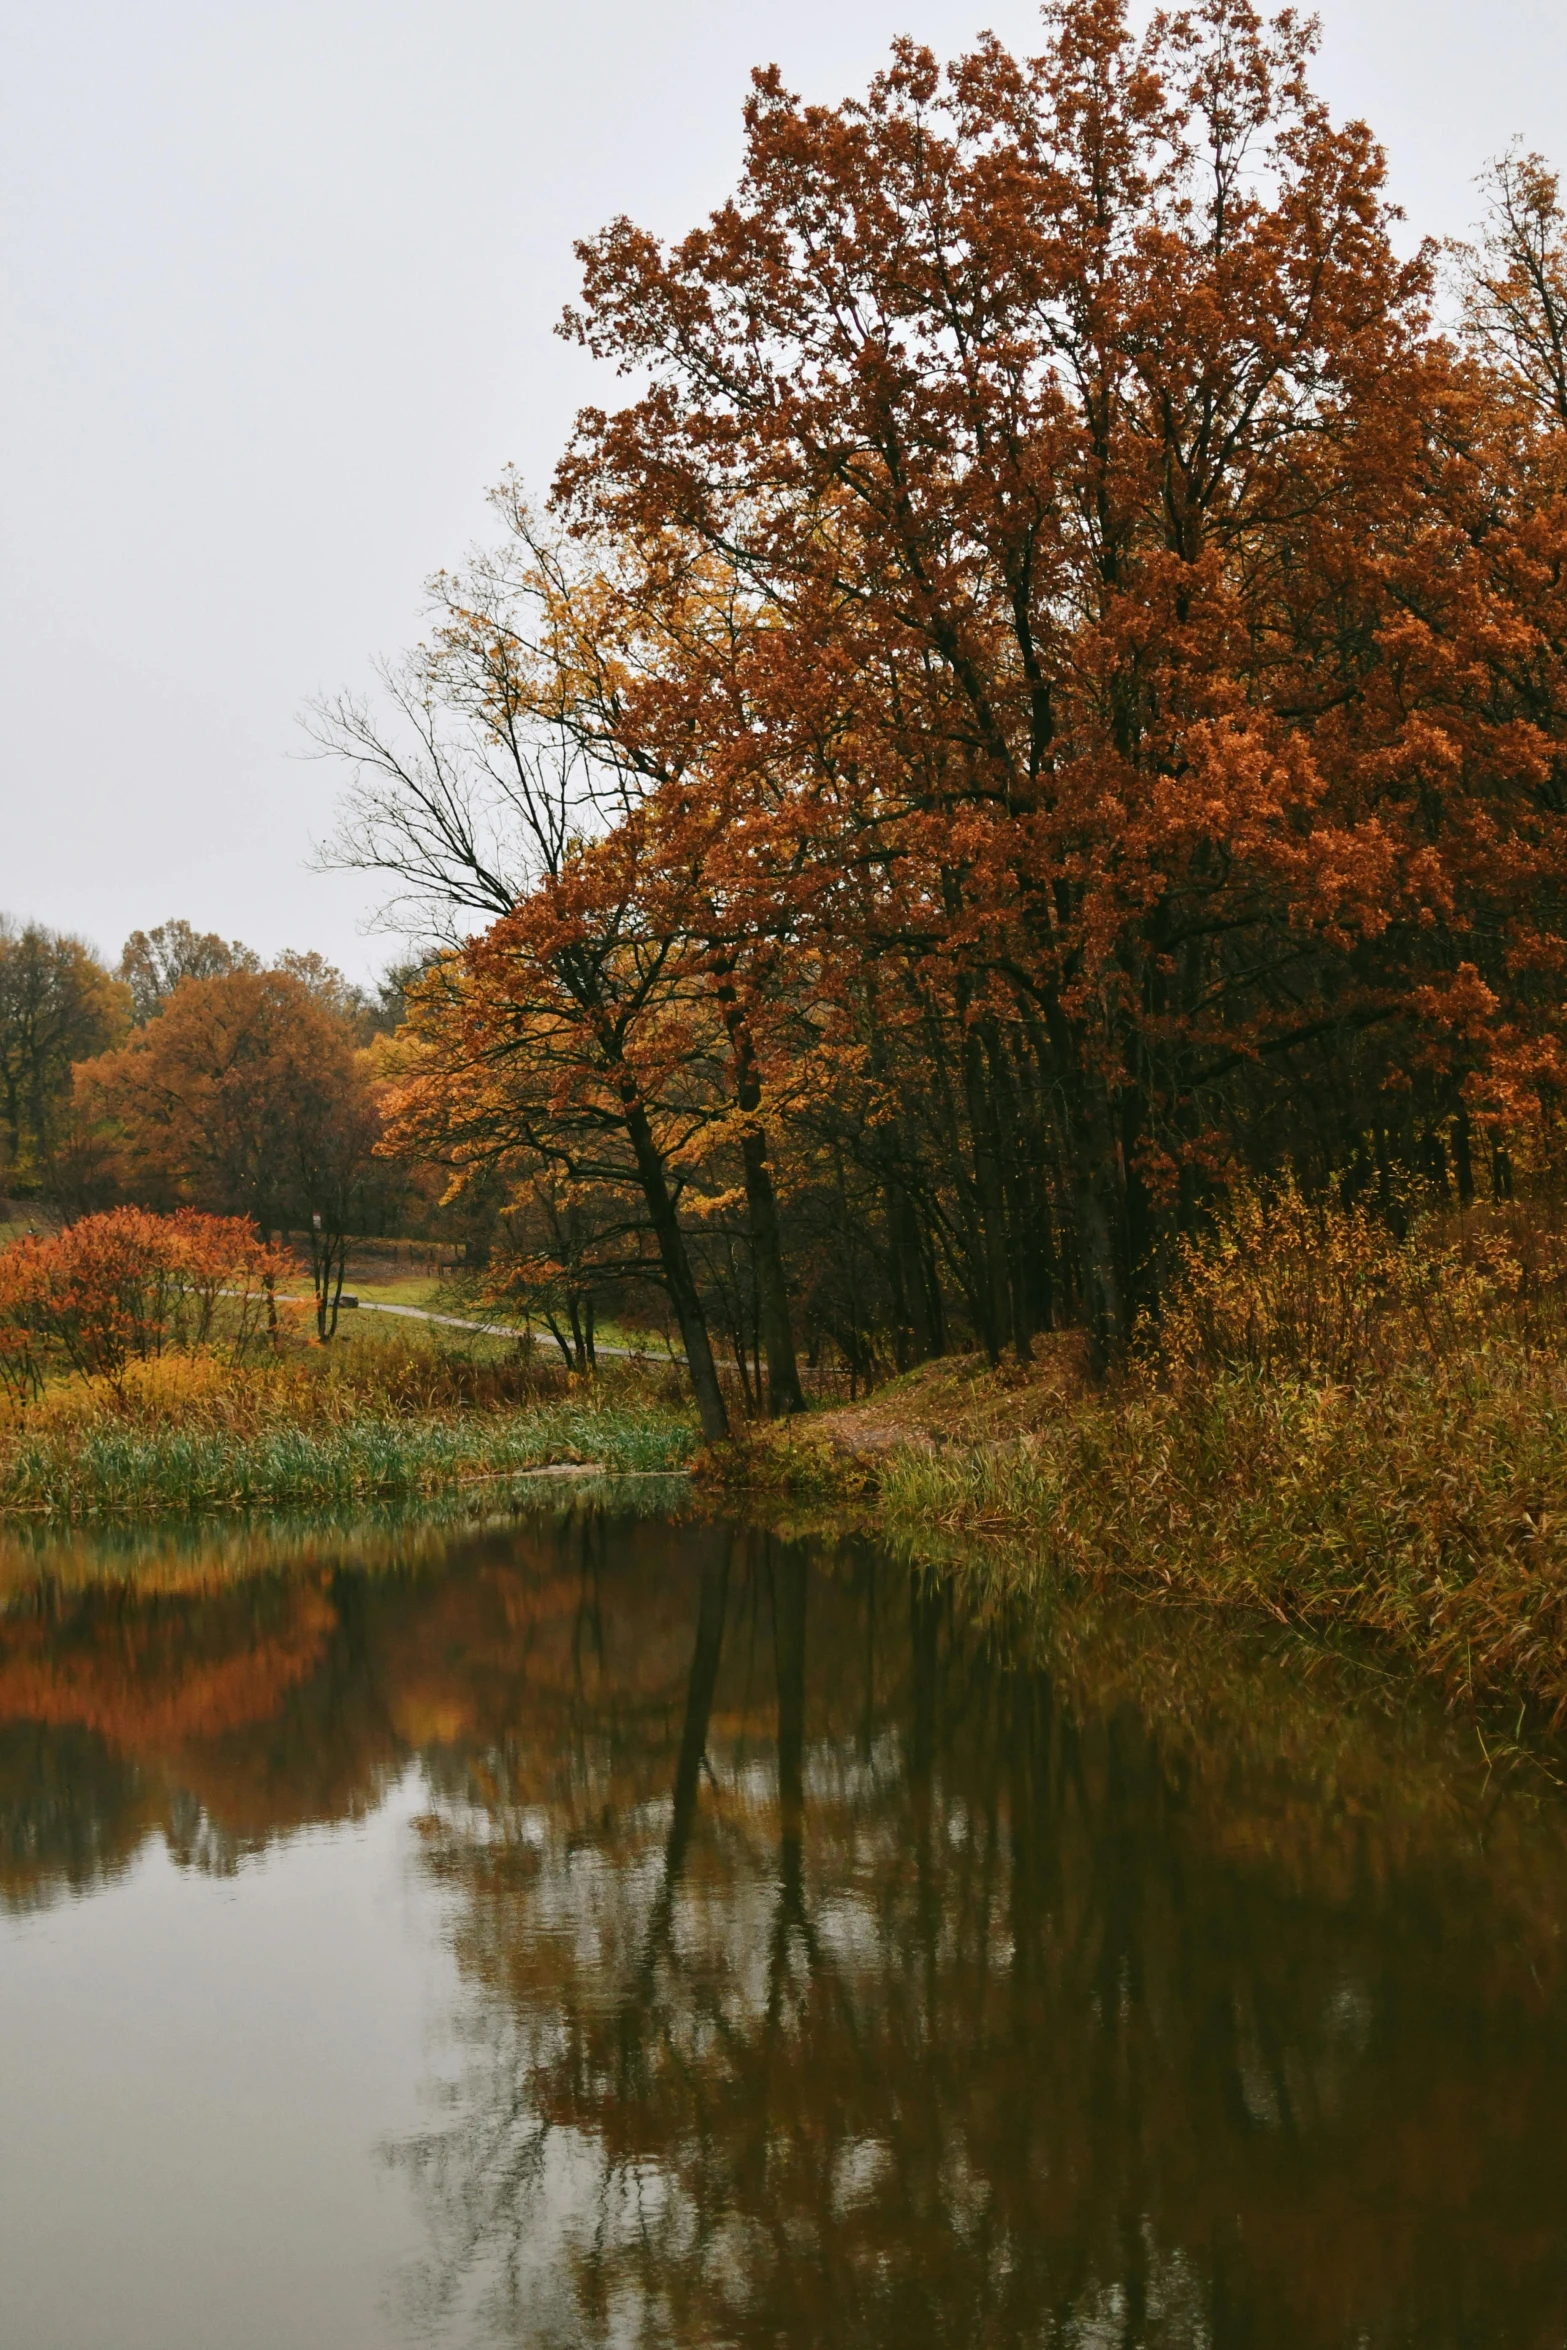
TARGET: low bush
(1292,1287)
(128,1286)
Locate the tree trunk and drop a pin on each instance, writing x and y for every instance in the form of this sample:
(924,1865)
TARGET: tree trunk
(995,1286)
(1463,1159)
(678,1276)
(784,1394)
(1097,1207)
(1097,1200)
(783,1376)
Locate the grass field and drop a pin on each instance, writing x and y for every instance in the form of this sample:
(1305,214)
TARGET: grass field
(379,1284)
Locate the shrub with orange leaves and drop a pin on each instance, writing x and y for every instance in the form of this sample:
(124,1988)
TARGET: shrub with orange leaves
(128,1285)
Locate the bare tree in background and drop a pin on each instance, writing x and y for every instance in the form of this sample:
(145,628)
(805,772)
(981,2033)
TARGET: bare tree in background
(153,962)
(1514,282)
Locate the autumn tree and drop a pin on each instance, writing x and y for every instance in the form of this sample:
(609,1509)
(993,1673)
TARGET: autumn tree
(1061,412)
(508,781)
(569,1036)
(58,1005)
(153,962)
(247,1096)
(644,667)
(326,984)
(562,1038)
(1070,671)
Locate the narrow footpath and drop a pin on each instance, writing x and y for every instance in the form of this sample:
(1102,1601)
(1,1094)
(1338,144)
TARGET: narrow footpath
(370,1305)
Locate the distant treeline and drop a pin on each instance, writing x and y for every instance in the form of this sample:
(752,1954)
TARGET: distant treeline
(194,1077)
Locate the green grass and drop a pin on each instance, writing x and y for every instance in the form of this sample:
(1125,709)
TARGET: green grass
(428,1291)
(106,1469)
(24,1218)
(437,1294)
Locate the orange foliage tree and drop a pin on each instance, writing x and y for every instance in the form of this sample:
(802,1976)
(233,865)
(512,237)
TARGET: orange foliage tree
(1115,512)
(126,1285)
(246,1095)
(570,1035)
(1077,665)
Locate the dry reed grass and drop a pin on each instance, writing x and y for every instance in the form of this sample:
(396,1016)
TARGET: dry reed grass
(320,1425)
(1338,1427)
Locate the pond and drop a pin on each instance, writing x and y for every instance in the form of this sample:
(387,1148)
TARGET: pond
(637,1929)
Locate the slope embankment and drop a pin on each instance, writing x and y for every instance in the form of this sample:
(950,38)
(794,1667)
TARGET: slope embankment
(1425,1506)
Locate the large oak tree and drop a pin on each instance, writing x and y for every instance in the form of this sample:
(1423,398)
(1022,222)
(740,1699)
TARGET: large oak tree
(1124,530)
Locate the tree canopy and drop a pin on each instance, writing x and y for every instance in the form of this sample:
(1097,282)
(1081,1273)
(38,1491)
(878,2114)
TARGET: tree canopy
(1050,692)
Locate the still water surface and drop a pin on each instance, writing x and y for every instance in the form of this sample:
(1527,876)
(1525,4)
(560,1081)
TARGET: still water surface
(611,1929)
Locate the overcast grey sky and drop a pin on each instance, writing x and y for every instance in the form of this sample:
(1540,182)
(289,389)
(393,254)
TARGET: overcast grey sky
(279,280)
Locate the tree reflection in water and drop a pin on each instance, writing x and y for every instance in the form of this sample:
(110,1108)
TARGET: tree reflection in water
(836,1973)
(949,2000)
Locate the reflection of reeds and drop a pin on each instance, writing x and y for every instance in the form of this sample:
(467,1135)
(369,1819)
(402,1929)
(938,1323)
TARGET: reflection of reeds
(188,1550)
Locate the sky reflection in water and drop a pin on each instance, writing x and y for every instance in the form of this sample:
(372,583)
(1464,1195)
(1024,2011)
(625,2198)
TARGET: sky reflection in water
(607,1929)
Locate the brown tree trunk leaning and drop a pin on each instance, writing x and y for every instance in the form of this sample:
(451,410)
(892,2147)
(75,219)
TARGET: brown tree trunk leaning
(681,1281)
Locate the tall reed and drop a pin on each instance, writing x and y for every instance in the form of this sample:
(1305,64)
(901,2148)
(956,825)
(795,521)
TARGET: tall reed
(319,1426)
(1335,1425)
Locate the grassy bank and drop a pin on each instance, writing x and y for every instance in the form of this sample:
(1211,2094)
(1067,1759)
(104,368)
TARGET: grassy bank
(320,1427)
(1430,1510)
(1335,1429)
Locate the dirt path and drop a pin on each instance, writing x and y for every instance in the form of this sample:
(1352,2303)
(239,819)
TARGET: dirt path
(370,1305)
(959,1400)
